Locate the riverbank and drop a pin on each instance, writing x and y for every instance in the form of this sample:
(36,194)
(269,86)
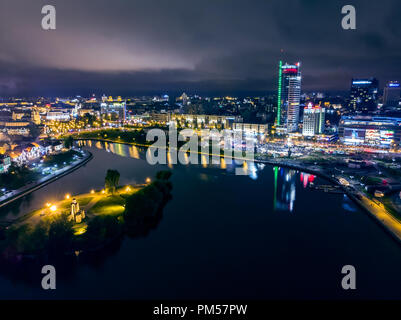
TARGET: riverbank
(22,192)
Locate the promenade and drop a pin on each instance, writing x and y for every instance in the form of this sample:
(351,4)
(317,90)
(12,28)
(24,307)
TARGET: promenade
(29,188)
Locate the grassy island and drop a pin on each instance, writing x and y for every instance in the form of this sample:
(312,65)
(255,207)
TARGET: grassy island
(88,221)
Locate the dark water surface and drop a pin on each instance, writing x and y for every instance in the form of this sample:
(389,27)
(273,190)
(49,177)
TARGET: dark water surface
(266,235)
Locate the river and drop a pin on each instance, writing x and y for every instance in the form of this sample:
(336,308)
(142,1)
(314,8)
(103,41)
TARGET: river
(265,235)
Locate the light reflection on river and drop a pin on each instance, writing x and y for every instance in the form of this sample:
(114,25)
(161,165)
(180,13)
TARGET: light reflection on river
(266,235)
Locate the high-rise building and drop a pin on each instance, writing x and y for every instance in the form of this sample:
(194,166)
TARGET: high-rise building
(289,95)
(392,93)
(363,96)
(313,122)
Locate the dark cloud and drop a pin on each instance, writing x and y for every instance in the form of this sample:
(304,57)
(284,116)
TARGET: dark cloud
(137,46)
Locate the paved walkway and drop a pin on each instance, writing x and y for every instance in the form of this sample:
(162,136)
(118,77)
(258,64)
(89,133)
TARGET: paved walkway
(380,213)
(16,194)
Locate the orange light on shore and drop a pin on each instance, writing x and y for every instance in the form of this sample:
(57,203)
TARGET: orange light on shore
(67,196)
(92,191)
(128,189)
(53,208)
(148,180)
(48,205)
(103,191)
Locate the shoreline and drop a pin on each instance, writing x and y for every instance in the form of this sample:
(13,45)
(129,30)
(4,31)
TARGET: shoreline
(40,185)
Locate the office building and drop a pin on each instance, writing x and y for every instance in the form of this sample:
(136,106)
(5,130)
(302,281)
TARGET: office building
(363,95)
(392,93)
(313,121)
(289,94)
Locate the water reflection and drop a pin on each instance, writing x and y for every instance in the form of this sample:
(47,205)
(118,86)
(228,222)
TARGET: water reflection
(285,198)
(124,150)
(284,181)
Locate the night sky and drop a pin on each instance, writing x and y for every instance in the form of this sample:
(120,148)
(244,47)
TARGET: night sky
(131,47)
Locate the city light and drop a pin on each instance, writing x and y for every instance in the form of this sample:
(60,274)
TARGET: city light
(53,208)
(148,180)
(67,196)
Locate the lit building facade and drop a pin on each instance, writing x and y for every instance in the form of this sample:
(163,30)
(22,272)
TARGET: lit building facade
(289,95)
(250,128)
(117,108)
(204,121)
(392,93)
(313,122)
(58,116)
(371,131)
(363,95)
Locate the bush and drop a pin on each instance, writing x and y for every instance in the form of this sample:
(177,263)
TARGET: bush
(61,235)
(149,200)
(101,228)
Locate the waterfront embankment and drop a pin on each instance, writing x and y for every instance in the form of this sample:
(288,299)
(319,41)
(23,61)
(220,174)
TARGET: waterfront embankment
(27,189)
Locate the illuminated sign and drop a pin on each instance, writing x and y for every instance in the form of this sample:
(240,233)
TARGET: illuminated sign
(290,70)
(361,82)
(387,137)
(394,85)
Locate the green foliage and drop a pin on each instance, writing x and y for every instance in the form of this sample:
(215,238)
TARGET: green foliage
(149,200)
(60,158)
(54,234)
(101,228)
(68,142)
(34,130)
(163,175)
(61,235)
(16,177)
(112,179)
(129,136)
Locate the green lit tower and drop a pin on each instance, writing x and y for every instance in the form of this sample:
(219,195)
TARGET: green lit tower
(280,71)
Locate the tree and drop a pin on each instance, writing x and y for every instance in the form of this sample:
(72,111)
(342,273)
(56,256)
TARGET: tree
(34,130)
(112,179)
(61,236)
(68,142)
(148,201)
(163,175)
(102,228)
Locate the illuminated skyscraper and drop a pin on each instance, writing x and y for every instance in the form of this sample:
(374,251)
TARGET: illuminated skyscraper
(363,95)
(313,122)
(289,95)
(392,93)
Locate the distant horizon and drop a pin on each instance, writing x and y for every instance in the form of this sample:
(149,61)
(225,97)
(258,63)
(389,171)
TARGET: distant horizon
(244,94)
(193,46)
